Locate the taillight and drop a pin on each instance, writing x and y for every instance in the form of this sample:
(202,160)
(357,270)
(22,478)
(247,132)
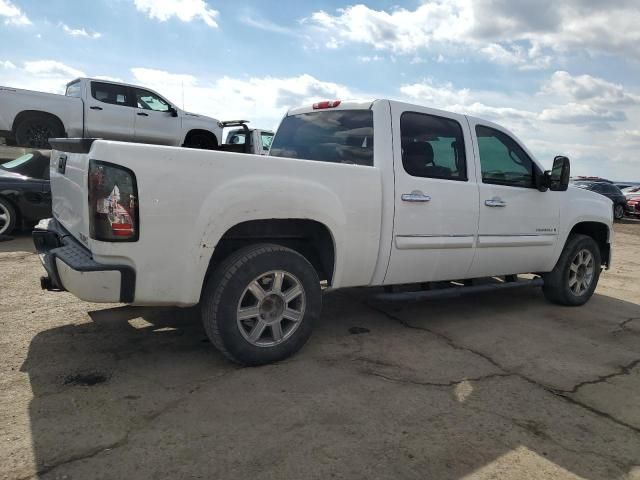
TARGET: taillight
(113,203)
(326,104)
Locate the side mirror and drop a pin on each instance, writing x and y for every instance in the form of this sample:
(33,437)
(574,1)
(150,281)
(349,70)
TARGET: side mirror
(173,111)
(558,177)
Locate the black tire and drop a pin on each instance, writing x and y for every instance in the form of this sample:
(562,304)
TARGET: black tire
(618,211)
(34,131)
(223,291)
(202,141)
(7,217)
(556,286)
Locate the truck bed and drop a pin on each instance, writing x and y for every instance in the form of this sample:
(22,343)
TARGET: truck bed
(189,198)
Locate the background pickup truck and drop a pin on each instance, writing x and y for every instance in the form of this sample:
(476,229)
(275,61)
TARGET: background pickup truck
(353,194)
(102,109)
(245,139)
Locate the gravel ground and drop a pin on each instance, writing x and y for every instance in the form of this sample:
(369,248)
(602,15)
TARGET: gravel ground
(490,386)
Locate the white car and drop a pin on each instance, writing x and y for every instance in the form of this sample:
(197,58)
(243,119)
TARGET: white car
(102,109)
(352,194)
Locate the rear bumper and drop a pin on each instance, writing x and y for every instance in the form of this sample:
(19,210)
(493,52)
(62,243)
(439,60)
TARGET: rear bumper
(70,267)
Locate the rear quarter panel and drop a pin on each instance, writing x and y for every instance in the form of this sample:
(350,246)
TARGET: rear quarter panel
(189,198)
(14,100)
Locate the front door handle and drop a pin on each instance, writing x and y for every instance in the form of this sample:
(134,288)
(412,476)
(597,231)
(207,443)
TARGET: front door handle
(95,108)
(495,202)
(142,114)
(415,196)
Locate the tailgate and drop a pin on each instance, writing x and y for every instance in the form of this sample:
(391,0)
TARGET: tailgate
(69,192)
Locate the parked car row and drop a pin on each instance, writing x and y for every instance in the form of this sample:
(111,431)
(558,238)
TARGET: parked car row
(100,109)
(624,201)
(96,108)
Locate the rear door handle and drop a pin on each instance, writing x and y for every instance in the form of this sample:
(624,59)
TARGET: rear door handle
(95,108)
(142,114)
(495,202)
(415,196)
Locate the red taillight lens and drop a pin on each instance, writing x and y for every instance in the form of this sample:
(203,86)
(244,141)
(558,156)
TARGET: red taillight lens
(113,203)
(326,104)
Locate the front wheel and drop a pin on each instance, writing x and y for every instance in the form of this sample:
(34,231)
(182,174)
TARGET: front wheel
(260,304)
(618,211)
(575,276)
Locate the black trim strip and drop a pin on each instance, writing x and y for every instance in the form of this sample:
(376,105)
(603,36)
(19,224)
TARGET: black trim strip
(72,145)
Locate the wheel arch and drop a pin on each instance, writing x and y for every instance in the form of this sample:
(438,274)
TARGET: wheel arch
(312,239)
(600,232)
(23,115)
(196,131)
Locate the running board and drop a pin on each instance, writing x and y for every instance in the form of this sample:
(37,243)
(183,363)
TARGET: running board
(454,291)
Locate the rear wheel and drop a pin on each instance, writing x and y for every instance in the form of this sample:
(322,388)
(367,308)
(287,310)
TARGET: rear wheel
(575,276)
(203,141)
(618,211)
(35,131)
(7,217)
(260,304)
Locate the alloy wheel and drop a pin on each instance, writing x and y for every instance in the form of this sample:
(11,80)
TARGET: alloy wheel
(271,308)
(581,272)
(5,219)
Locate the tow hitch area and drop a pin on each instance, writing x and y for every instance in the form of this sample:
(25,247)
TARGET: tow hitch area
(47,284)
(454,288)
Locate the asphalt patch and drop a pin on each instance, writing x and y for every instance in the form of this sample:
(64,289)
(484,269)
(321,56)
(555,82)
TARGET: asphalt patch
(358,330)
(86,379)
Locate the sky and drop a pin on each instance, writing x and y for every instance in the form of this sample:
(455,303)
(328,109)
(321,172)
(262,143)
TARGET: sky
(564,76)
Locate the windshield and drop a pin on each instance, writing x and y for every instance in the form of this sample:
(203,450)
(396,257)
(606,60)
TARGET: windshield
(339,136)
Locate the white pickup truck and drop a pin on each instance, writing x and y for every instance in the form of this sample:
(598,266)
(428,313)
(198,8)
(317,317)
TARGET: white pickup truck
(249,140)
(377,193)
(102,109)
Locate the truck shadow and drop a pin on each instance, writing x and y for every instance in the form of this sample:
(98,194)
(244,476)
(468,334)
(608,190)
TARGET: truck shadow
(138,376)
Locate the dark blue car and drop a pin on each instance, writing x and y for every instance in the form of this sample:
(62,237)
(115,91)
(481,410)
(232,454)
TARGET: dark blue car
(25,192)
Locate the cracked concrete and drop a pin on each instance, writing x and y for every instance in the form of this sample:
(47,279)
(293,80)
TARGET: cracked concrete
(478,387)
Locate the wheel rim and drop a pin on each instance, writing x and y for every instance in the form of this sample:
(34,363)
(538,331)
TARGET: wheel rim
(581,272)
(38,135)
(271,308)
(5,219)
(619,211)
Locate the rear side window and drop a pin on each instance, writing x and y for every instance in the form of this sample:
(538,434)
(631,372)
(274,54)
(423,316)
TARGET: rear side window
(432,147)
(73,90)
(338,136)
(502,160)
(110,93)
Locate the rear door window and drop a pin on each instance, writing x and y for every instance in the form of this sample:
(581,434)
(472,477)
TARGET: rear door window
(338,136)
(432,147)
(110,93)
